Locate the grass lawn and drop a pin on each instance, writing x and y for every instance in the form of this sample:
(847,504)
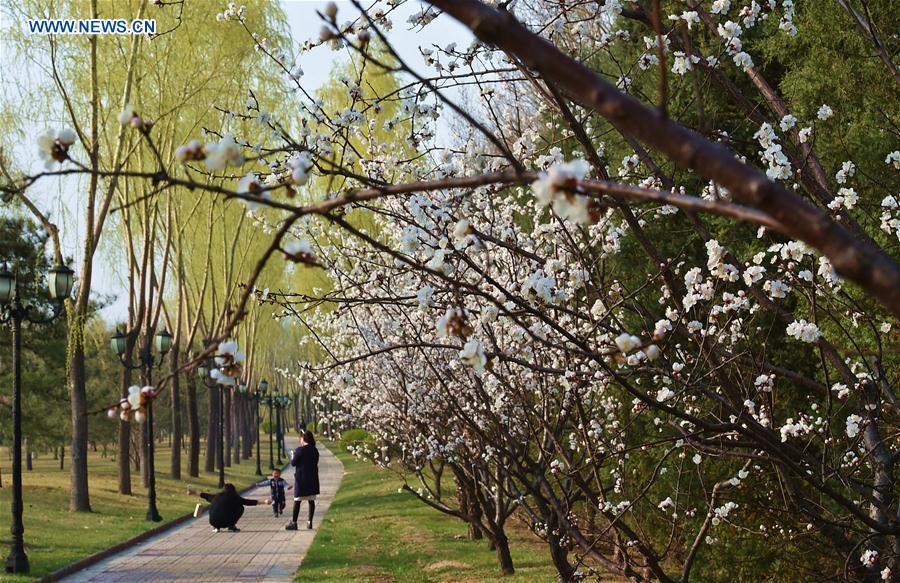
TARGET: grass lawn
(373,533)
(55,537)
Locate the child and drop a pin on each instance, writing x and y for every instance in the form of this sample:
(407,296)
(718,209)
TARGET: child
(277,484)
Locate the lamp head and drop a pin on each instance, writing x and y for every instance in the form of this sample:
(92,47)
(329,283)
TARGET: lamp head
(7,285)
(163,341)
(60,280)
(118,342)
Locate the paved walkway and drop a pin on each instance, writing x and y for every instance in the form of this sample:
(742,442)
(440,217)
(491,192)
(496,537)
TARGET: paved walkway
(262,551)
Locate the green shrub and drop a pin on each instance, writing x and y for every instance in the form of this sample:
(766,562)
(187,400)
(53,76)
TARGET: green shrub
(355,438)
(355,435)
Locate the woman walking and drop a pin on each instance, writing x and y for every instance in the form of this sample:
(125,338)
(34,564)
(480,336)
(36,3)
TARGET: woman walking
(305,460)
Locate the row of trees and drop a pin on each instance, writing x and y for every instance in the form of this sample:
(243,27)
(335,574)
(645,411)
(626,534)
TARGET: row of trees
(639,292)
(180,257)
(655,392)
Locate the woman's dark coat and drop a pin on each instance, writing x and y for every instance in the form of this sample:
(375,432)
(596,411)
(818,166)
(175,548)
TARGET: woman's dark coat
(306,472)
(226,508)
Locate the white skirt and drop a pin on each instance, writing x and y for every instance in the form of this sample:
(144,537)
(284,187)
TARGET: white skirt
(304,499)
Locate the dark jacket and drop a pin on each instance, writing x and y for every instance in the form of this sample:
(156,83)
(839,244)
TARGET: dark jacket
(306,472)
(226,508)
(277,487)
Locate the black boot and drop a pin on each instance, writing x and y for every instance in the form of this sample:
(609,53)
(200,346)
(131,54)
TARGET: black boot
(292,525)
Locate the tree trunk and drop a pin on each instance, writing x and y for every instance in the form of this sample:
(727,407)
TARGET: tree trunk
(504,558)
(28,465)
(471,507)
(124,461)
(146,380)
(564,570)
(212,429)
(248,427)
(145,476)
(135,452)
(237,410)
(79,498)
(229,432)
(62,458)
(193,429)
(176,436)
(330,411)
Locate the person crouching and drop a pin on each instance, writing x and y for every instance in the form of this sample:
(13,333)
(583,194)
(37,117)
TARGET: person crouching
(227,507)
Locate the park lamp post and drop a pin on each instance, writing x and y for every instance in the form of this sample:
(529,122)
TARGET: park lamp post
(278,402)
(270,402)
(163,343)
(259,396)
(60,280)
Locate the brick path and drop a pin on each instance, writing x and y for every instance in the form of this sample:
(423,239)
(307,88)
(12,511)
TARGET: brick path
(262,551)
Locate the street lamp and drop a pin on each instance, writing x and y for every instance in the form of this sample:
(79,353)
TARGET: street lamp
(163,341)
(276,403)
(260,395)
(60,280)
(270,402)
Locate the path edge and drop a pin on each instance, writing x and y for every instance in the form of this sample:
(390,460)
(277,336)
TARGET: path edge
(126,544)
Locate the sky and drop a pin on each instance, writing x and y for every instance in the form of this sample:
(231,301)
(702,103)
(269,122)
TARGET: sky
(54,196)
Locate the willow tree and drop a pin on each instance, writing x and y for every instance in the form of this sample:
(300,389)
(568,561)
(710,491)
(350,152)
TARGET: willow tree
(77,89)
(186,96)
(90,96)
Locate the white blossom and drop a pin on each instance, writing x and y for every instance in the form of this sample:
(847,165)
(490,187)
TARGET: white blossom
(626,342)
(893,159)
(473,355)
(555,187)
(803,330)
(869,557)
(53,145)
(853,422)
(223,153)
